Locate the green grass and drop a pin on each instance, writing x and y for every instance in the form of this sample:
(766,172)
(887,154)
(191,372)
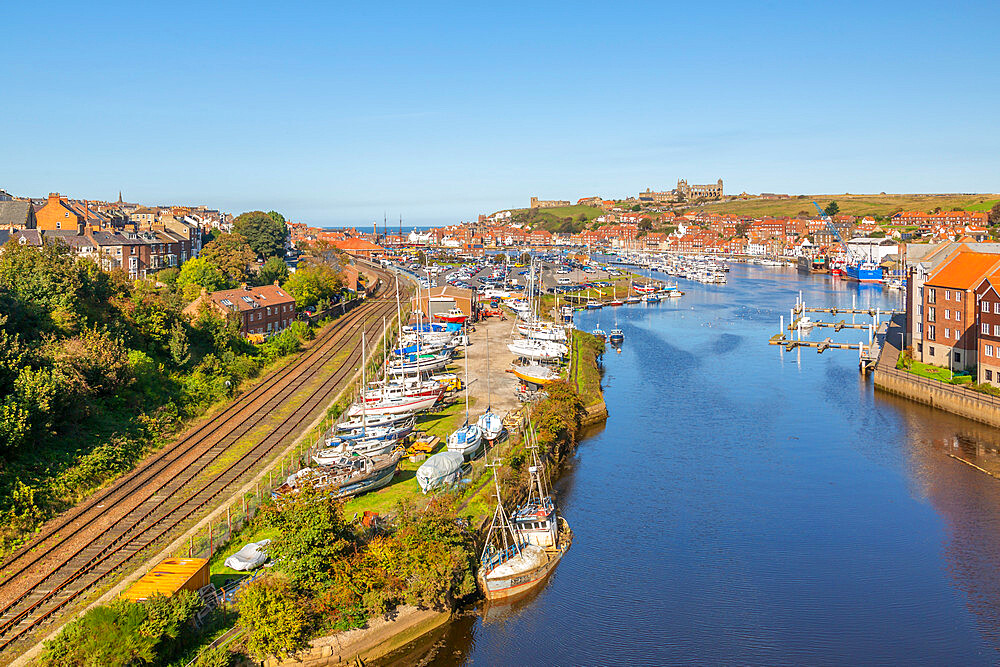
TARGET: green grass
(854,204)
(936,373)
(586,374)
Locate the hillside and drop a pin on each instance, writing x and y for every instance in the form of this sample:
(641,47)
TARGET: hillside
(559,219)
(881,204)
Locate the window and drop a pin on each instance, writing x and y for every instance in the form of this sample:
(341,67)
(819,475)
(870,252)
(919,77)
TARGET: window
(269,310)
(931,295)
(996,307)
(920,347)
(958,316)
(985,306)
(930,335)
(988,350)
(989,376)
(931,314)
(947,314)
(958,296)
(947,334)
(958,358)
(996,330)
(920,328)
(930,350)
(947,295)
(986,328)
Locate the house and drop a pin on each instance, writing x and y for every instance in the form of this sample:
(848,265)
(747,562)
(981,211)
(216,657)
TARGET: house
(949,309)
(57,214)
(359,247)
(988,330)
(262,310)
(16,215)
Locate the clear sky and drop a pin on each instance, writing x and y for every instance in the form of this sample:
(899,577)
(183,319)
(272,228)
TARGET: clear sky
(335,113)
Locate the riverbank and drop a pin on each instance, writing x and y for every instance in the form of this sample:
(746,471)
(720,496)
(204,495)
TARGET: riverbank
(472,502)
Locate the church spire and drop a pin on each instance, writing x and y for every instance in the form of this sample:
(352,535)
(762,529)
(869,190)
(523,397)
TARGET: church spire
(120,197)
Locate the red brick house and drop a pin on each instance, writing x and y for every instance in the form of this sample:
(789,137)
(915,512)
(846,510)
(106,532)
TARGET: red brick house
(988,329)
(262,310)
(949,314)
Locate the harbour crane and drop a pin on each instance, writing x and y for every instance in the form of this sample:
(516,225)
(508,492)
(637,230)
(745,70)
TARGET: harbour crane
(836,233)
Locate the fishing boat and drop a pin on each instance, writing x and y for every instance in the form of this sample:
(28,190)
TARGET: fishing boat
(616,301)
(347,476)
(523,550)
(440,470)
(453,315)
(616,337)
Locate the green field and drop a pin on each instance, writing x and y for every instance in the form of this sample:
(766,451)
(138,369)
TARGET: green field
(561,218)
(880,204)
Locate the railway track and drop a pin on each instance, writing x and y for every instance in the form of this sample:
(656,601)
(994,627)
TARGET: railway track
(79,550)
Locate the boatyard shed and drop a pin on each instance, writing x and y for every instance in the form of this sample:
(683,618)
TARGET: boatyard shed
(442,299)
(170,576)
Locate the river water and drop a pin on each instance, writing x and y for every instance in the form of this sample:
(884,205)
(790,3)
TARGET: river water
(744,505)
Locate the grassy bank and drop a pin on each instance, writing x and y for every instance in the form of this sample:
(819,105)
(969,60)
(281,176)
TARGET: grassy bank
(859,205)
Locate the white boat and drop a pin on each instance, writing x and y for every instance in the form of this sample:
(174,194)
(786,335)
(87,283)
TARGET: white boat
(392,406)
(491,425)
(424,363)
(541,331)
(536,349)
(440,470)
(466,440)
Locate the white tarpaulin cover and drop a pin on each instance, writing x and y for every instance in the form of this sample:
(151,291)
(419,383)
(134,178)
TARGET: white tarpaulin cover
(249,557)
(531,558)
(442,468)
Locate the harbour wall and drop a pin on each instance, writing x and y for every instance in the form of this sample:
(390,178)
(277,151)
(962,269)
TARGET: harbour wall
(958,400)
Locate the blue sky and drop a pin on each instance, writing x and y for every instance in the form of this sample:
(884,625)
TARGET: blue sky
(336,113)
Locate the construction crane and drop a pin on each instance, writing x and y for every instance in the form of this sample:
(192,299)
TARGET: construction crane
(836,233)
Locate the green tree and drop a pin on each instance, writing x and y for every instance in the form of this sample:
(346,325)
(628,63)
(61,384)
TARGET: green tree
(264,232)
(646,224)
(274,269)
(832,209)
(168,277)
(198,273)
(525,258)
(637,207)
(313,283)
(994,215)
(312,535)
(275,620)
(231,254)
(179,344)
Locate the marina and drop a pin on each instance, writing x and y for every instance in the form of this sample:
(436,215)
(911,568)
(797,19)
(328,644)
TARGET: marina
(806,538)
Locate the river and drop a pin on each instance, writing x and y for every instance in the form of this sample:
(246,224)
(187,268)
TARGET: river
(745,505)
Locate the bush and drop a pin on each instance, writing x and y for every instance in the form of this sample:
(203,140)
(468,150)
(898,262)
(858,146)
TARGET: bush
(274,617)
(124,633)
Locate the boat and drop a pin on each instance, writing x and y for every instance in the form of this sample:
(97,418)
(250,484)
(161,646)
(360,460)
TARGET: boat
(537,349)
(490,424)
(348,476)
(467,439)
(541,330)
(863,271)
(535,374)
(616,337)
(599,333)
(453,315)
(440,470)
(521,551)
(393,405)
(423,363)
(375,421)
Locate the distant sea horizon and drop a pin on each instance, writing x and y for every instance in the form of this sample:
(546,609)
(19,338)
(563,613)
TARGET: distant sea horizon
(388,229)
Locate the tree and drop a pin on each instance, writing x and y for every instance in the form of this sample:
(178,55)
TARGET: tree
(275,620)
(525,258)
(231,254)
(264,232)
(832,209)
(198,273)
(179,344)
(499,258)
(312,535)
(646,224)
(994,215)
(313,283)
(274,269)
(637,207)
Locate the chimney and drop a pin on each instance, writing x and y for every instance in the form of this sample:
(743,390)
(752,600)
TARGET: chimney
(54,198)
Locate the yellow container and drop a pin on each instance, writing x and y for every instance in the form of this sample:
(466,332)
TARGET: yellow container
(170,576)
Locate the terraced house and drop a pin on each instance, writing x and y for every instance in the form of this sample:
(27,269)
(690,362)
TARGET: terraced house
(261,311)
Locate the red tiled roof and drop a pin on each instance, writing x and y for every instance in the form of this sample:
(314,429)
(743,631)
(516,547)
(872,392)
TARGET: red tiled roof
(964,270)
